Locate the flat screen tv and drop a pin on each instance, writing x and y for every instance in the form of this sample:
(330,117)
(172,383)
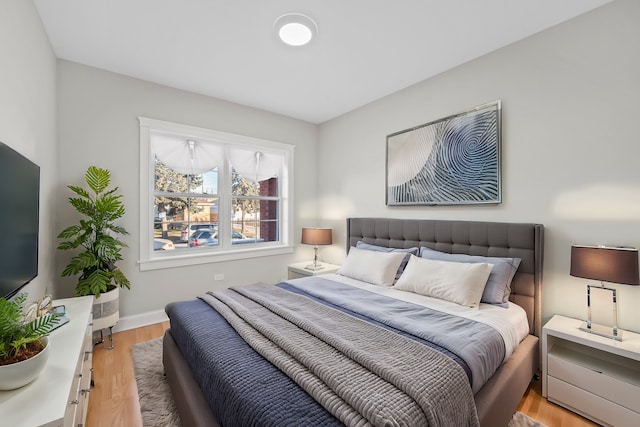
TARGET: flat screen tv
(19,216)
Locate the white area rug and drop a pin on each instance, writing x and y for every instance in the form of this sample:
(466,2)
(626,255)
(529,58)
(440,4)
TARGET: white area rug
(521,420)
(156,402)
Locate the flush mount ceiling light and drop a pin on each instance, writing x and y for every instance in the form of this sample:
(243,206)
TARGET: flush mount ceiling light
(295,29)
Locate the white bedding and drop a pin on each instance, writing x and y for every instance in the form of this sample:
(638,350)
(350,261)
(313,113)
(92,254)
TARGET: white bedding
(511,322)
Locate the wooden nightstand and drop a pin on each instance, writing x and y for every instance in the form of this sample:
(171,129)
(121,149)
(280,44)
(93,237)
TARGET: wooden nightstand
(298,270)
(597,377)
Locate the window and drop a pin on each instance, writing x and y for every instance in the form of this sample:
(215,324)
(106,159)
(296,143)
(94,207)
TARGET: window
(211,196)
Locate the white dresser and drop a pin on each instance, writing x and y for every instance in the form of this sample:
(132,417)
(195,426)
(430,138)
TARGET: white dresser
(60,394)
(594,376)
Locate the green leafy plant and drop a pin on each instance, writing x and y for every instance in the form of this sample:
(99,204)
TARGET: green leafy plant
(96,264)
(17,333)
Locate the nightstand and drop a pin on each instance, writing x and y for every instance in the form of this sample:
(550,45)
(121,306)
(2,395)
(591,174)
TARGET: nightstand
(298,270)
(596,377)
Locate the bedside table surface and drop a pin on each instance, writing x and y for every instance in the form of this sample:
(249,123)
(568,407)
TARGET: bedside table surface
(569,328)
(299,268)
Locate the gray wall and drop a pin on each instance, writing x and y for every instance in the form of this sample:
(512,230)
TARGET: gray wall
(570,145)
(569,148)
(98,125)
(28,116)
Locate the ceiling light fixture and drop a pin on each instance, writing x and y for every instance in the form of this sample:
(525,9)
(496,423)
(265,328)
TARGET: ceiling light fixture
(295,29)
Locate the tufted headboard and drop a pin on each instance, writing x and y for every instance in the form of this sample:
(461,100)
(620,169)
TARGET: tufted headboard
(498,239)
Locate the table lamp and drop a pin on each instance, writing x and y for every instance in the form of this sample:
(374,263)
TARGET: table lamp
(316,237)
(607,264)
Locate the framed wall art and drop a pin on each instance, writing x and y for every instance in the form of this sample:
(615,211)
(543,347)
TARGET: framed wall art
(450,161)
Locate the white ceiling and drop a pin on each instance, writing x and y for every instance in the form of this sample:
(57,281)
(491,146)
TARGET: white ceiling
(227,49)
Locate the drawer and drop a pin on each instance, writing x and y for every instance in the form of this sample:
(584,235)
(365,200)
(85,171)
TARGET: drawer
(598,409)
(81,386)
(81,410)
(295,275)
(70,414)
(608,380)
(88,337)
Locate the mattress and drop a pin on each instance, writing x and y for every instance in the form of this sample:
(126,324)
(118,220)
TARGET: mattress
(510,321)
(235,379)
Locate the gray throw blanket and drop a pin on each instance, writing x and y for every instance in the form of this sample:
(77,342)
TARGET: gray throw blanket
(361,373)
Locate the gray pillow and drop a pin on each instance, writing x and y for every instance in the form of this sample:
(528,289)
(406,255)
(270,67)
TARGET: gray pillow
(498,285)
(403,264)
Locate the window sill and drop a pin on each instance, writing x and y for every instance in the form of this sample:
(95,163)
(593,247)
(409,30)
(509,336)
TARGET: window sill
(172,261)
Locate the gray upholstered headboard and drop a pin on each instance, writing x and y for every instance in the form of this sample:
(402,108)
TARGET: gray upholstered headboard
(524,241)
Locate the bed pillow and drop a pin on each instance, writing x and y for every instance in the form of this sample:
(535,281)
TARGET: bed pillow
(499,284)
(457,282)
(378,268)
(403,264)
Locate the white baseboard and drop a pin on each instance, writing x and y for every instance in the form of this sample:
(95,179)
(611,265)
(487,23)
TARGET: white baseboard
(139,320)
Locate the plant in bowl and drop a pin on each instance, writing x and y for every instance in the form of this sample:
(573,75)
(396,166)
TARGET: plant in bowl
(23,343)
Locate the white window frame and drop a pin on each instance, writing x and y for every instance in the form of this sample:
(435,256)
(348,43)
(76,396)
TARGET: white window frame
(152,260)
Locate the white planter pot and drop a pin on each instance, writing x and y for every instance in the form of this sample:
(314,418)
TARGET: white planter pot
(106,309)
(22,373)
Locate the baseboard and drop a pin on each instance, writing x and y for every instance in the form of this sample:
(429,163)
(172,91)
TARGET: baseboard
(138,320)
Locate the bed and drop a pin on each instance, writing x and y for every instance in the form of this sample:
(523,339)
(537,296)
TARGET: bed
(194,328)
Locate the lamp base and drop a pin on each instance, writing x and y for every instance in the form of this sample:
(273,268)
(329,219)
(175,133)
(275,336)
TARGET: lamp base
(314,267)
(603,331)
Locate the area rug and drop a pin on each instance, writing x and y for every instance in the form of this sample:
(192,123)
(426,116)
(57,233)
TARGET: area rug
(156,402)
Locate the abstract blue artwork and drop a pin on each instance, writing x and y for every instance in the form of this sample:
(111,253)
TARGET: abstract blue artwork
(450,161)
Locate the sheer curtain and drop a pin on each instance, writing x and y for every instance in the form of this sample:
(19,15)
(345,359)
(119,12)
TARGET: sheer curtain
(255,165)
(187,156)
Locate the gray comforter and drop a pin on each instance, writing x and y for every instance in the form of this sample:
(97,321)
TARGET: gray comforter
(361,373)
(480,346)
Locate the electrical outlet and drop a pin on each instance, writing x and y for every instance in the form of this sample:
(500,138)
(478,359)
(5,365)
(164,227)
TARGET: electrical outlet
(218,277)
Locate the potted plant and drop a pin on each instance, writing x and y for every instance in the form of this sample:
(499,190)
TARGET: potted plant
(97,235)
(24,344)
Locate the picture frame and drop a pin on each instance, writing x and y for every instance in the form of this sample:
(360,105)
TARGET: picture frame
(455,160)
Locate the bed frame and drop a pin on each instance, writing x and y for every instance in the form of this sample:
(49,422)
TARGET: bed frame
(498,399)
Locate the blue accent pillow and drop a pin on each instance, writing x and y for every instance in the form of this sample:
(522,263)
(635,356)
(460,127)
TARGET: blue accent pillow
(410,251)
(498,285)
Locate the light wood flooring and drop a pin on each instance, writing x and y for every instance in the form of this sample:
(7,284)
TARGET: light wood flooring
(114,399)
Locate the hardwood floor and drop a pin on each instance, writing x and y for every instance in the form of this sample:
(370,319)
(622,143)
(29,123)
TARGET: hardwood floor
(114,399)
(550,414)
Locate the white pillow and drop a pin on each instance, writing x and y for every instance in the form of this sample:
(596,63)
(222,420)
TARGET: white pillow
(378,268)
(408,251)
(457,282)
(499,282)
